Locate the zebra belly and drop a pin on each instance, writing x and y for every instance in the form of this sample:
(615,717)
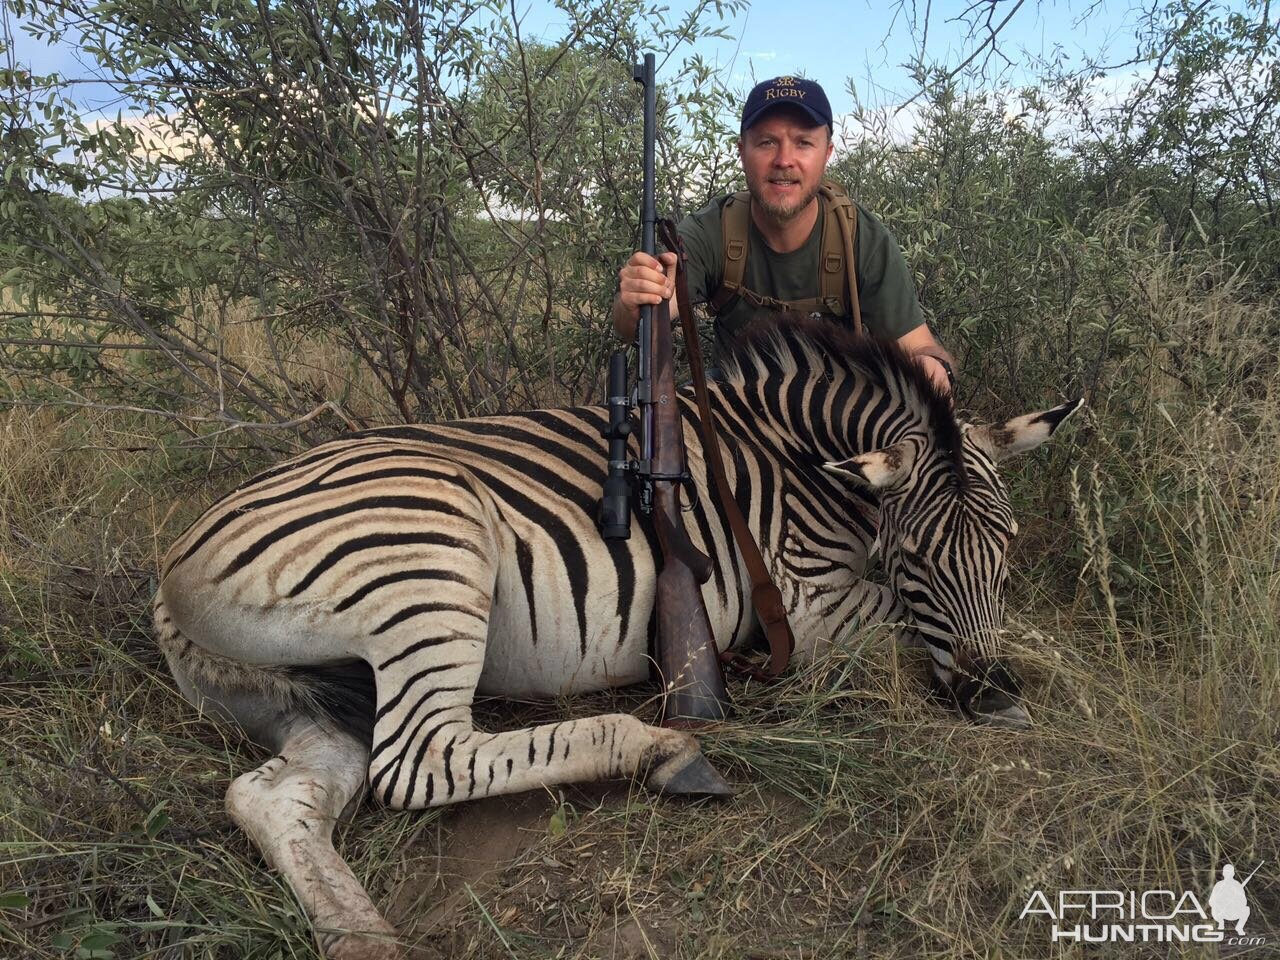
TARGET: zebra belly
(551,633)
(512,667)
(555,659)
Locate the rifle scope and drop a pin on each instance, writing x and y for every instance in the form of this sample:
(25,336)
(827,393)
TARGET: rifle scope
(615,505)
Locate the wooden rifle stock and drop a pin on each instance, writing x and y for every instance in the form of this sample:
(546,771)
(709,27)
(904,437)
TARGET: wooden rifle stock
(688,663)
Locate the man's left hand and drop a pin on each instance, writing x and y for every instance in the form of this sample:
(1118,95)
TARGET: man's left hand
(937,373)
(916,342)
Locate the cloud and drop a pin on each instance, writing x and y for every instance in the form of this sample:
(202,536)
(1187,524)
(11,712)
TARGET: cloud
(898,125)
(155,136)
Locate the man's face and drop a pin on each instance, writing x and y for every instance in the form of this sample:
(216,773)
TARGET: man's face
(784,156)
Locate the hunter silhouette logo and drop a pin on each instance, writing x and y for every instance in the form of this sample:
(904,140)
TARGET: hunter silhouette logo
(1148,916)
(1228,900)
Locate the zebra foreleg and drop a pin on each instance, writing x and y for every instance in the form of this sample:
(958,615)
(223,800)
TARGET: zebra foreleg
(461,763)
(289,807)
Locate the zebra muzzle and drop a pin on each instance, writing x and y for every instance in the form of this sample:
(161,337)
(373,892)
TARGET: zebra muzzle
(990,698)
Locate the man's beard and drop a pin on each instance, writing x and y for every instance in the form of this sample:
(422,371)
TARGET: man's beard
(781,212)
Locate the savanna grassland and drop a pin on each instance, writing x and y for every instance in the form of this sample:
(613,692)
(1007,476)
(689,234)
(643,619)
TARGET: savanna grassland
(308,266)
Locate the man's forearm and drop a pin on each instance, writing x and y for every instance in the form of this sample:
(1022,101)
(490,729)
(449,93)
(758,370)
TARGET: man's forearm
(624,323)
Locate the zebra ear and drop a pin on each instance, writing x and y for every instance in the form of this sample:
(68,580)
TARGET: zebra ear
(1004,440)
(879,469)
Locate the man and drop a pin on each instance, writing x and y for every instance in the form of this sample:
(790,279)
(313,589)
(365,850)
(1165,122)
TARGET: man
(784,146)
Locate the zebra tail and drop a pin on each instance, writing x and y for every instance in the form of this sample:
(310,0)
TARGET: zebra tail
(339,695)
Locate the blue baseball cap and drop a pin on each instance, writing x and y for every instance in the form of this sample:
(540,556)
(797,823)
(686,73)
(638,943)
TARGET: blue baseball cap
(790,92)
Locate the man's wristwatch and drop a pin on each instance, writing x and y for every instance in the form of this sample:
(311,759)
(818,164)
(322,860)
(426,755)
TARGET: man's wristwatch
(951,374)
(943,357)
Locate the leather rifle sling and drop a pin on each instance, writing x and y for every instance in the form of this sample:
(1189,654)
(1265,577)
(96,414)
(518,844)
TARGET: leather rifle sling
(766,598)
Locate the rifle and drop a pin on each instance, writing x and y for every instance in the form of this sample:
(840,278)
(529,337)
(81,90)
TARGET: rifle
(688,664)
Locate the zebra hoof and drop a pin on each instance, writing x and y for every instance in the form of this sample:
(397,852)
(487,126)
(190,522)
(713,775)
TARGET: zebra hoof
(689,777)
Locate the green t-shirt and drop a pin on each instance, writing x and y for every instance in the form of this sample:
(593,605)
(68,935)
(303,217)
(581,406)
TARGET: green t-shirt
(886,292)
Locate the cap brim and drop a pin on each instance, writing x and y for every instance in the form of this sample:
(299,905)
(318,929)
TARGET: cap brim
(818,118)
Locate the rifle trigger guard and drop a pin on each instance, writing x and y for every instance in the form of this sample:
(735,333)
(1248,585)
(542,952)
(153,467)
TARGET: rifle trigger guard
(691,489)
(685,480)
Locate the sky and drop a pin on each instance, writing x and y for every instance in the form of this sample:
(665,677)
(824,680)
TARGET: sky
(837,41)
(830,41)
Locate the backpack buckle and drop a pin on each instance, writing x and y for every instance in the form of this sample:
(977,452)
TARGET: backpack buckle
(834,263)
(735,250)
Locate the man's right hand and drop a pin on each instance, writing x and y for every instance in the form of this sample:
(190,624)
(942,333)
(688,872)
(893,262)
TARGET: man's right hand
(643,279)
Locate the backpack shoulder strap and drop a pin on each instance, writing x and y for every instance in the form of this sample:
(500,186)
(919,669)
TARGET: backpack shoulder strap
(839,264)
(735,225)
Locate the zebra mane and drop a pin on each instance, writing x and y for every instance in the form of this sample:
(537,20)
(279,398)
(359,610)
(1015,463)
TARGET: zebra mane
(795,344)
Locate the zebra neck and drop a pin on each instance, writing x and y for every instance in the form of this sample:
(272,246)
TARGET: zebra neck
(818,418)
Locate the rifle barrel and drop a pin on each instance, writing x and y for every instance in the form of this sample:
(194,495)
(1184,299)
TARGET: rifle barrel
(644,73)
(648,209)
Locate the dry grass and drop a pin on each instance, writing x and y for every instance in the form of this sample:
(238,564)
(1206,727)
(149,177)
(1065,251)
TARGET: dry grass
(869,823)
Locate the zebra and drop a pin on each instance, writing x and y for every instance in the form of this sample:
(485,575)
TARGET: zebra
(345,607)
